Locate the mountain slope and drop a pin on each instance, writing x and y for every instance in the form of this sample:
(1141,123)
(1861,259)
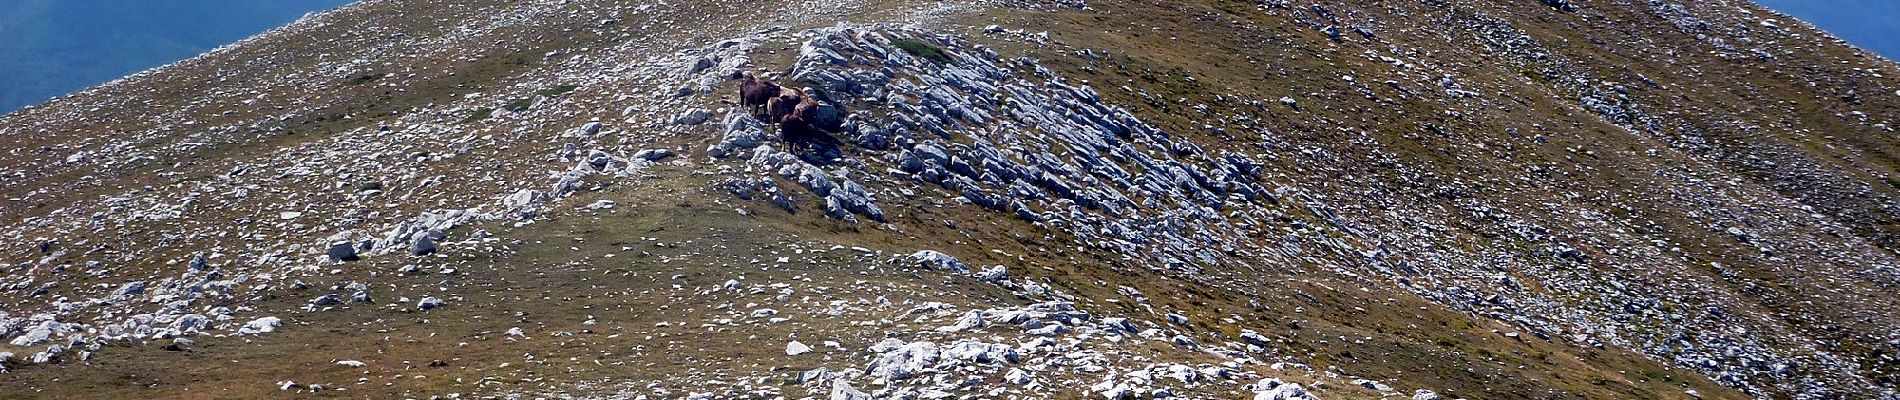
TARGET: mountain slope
(1027,200)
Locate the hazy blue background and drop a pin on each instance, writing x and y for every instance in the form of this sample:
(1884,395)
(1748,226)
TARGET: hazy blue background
(52,47)
(1871,24)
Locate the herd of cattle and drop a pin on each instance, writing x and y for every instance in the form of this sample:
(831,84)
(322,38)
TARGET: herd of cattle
(790,108)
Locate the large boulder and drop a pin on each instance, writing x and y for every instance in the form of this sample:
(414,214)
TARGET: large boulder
(694,116)
(42,333)
(425,244)
(326,300)
(841,390)
(1274,389)
(261,325)
(904,361)
(981,353)
(742,132)
(130,289)
(343,251)
(653,154)
(796,348)
(430,303)
(523,198)
(935,260)
(191,323)
(828,117)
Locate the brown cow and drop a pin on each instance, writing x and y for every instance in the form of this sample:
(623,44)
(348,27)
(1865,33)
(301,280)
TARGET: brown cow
(754,94)
(799,128)
(794,132)
(786,103)
(807,109)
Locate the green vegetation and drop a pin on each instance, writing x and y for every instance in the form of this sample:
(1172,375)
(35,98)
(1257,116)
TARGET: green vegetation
(518,105)
(362,78)
(815,89)
(922,50)
(479,114)
(557,90)
(1229,8)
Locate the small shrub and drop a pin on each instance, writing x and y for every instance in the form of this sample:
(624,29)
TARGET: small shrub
(557,90)
(815,89)
(362,78)
(518,105)
(479,114)
(922,50)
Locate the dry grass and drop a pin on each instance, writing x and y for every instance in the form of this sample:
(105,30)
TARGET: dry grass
(552,282)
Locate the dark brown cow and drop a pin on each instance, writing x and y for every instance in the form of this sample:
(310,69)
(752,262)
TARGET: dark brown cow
(799,128)
(754,94)
(795,132)
(807,109)
(786,103)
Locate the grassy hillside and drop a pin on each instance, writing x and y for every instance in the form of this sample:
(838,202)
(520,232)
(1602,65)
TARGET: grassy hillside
(1118,199)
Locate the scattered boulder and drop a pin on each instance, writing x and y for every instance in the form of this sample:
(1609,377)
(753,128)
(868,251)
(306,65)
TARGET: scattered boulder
(326,300)
(993,274)
(424,245)
(343,252)
(693,116)
(430,303)
(935,260)
(742,132)
(130,289)
(841,390)
(261,325)
(653,154)
(796,348)
(904,361)
(42,333)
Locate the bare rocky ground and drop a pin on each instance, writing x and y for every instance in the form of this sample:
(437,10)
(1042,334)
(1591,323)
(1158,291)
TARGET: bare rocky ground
(1027,199)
